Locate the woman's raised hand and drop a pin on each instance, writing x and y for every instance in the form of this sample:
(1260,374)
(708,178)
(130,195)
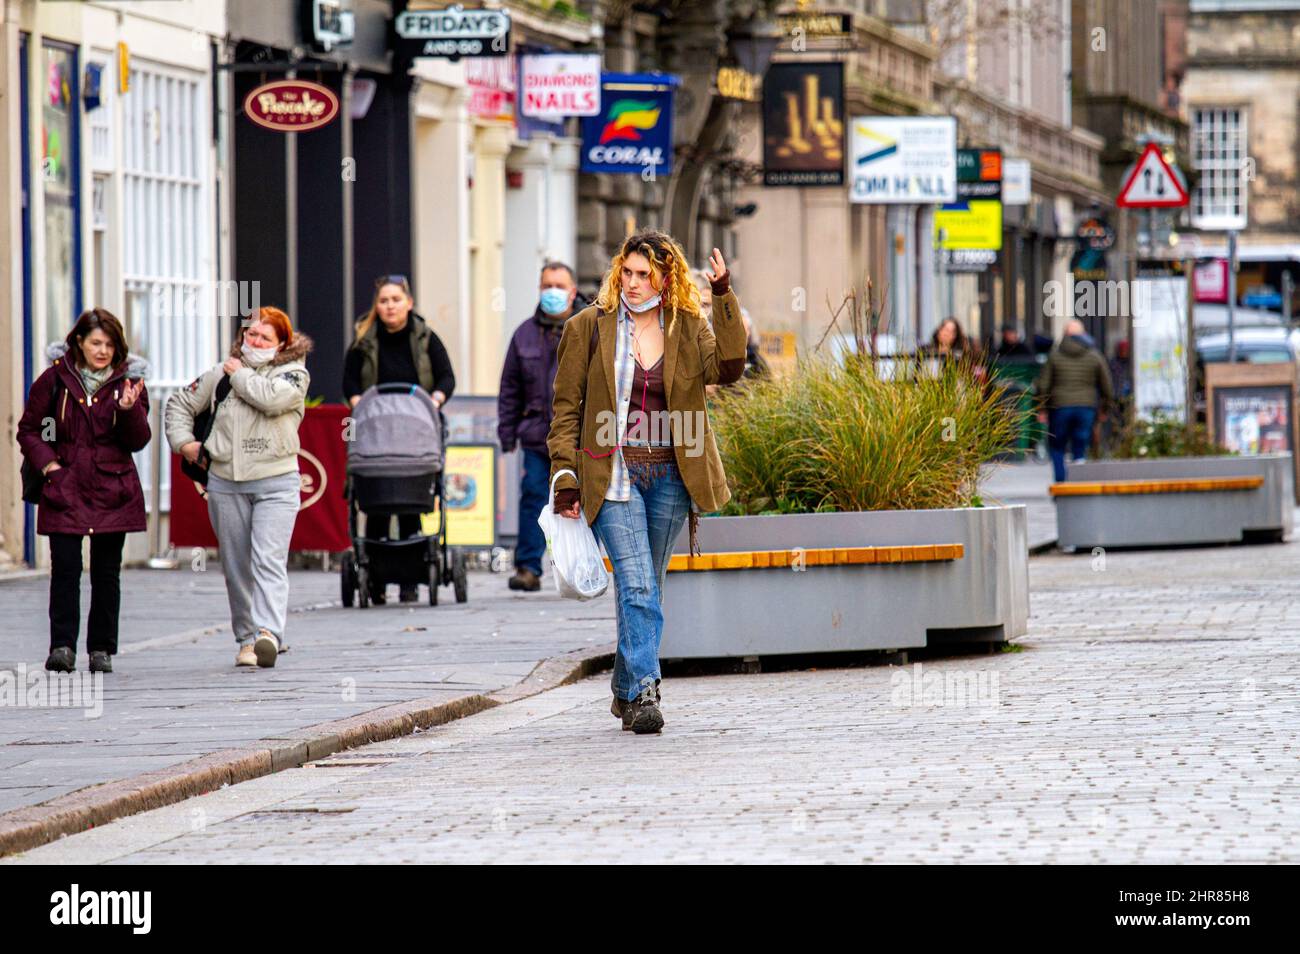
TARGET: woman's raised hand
(717,267)
(130,394)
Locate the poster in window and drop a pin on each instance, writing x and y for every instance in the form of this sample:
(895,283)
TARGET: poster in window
(1253,420)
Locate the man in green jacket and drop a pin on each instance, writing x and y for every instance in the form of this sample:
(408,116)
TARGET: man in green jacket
(1075,388)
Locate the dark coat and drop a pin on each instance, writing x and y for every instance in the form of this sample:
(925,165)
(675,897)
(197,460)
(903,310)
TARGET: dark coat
(528,385)
(429,360)
(1076,375)
(96,489)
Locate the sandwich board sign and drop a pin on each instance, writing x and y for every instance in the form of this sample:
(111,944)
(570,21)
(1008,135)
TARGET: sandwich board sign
(1153,183)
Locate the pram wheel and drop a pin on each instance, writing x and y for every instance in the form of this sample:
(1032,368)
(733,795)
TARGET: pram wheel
(460,577)
(363,587)
(435,577)
(348,579)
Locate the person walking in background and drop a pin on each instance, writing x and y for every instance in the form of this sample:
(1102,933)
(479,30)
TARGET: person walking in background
(84,418)
(257,399)
(948,343)
(1075,388)
(641,354)
(524,411)
(394,344)
(1012,345)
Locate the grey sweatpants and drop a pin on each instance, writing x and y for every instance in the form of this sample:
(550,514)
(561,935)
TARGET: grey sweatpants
(253,520)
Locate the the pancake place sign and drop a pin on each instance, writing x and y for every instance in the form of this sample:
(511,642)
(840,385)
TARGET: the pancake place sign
(291,105)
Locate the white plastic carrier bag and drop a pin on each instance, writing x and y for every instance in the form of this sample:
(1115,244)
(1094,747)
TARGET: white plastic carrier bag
(579,571)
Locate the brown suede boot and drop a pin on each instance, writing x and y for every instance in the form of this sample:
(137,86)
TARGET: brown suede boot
(526,580)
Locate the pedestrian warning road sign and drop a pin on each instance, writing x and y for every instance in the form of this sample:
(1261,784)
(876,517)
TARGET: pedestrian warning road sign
(1153,183)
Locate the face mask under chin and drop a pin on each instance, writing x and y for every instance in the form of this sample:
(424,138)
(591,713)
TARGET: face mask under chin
(642,307)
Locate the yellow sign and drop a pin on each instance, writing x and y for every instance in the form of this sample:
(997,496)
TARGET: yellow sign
(970,224)
(123,68)
(735,83)
(469,491)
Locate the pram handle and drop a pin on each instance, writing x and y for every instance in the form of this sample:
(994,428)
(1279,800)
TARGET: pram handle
(399,387)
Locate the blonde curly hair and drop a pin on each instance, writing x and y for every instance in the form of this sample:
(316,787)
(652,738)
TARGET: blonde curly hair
(666,259)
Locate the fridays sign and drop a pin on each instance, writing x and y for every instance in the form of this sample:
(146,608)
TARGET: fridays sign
(555,86)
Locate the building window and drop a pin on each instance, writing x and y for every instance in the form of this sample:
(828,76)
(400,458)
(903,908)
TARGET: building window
(1218,155)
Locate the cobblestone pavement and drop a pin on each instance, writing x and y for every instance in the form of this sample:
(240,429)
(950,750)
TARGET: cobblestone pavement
(1151,717)
(175,693)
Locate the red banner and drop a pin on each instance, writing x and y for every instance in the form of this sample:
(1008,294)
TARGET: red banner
(322,468)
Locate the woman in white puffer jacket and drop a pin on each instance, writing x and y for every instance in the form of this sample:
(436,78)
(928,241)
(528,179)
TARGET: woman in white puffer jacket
(251,455)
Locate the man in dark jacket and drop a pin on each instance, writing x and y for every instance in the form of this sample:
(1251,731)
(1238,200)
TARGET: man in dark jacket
(1075,387)
(524,411)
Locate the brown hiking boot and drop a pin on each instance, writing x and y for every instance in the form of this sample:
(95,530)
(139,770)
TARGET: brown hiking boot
(246,656)
(526,580)
(642,715)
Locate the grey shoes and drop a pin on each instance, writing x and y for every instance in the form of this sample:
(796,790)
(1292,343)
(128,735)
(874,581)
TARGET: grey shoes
(101,661)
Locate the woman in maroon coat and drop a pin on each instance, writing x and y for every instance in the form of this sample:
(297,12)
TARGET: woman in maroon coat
(84,418)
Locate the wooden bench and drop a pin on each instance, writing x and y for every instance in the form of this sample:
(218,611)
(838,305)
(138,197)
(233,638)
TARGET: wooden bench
(1186,485)
(825,556)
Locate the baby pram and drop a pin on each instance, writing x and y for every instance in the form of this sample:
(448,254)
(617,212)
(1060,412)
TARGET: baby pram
(395,460)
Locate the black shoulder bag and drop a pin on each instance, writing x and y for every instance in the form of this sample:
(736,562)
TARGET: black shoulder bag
(198,471)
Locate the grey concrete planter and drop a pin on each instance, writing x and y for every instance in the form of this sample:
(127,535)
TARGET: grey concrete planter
(1186,517)
(982,597)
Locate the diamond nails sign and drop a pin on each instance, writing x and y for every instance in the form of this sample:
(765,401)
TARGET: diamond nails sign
(452,32)
(555,86)
(291,105)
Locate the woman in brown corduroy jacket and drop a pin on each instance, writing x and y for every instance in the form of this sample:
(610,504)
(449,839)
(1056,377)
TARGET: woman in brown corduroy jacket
(631,429)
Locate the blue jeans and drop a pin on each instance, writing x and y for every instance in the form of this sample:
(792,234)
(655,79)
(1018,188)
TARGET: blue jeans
(534,488)
(638,534)
(1070,426)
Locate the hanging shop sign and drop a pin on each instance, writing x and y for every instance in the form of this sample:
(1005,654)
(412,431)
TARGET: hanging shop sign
(452,32)
(816,25)
(1211,281)
(633,132)
(903,160)
(291,105)
(734,82)
(491,86)
(803,124)
(968,260)
(974,220)
(559,85)
(328,24)
(1016,182)
(1093,238)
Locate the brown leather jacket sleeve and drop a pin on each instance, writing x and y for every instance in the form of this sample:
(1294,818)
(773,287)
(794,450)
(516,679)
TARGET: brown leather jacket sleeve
(723,356)
(570,389)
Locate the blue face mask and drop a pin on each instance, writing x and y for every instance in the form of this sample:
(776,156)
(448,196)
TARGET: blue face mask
(644,306)
(555,301)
